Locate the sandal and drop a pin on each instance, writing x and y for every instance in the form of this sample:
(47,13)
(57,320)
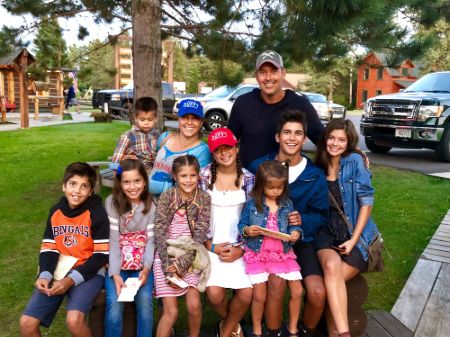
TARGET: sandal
(219,328)
(238,332)
(292,334)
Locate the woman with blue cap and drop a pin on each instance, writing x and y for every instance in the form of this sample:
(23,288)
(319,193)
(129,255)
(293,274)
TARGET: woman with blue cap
(186,140)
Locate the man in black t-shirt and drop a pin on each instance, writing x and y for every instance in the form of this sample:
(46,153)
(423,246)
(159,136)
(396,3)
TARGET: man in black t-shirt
(254,115)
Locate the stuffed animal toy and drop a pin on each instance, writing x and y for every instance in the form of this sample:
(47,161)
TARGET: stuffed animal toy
(201,264)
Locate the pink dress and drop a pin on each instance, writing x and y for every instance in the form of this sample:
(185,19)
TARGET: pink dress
(271,258)
(178,227)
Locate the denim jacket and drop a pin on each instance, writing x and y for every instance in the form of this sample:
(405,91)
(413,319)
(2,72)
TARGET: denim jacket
(251,216)
(309,195)
(356,190)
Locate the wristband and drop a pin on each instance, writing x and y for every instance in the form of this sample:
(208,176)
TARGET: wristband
(212,248)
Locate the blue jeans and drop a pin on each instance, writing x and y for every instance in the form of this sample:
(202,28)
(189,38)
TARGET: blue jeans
(114,309)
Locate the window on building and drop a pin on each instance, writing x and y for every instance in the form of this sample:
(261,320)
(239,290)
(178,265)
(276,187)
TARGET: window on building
(366,73)
(364,95)
(380,73)
(405,71)
(378,92)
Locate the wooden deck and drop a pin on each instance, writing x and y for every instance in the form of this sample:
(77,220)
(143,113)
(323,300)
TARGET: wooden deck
(424,303)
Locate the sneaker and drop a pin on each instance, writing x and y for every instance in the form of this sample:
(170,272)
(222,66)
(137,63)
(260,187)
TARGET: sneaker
(273,333)
(304,331)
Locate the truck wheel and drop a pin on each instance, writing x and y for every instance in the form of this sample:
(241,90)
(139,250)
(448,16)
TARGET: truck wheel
(376,148)
(125,115)
(214,120)
(443,147)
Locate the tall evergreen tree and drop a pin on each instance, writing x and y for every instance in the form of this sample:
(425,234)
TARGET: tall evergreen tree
(50,49)
(95,63)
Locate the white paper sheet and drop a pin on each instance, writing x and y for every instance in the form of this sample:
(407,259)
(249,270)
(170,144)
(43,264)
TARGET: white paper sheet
(65,263)
(132,286)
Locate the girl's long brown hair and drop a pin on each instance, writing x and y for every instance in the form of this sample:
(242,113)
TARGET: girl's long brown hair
(323,159)
(120,200)
(269,169)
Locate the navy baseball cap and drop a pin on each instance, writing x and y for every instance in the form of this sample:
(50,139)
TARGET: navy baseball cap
(190,106)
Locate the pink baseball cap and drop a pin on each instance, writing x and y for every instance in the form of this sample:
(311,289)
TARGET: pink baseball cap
(221,136)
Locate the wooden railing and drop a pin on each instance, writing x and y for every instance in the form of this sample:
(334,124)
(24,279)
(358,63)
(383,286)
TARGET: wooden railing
(55,103)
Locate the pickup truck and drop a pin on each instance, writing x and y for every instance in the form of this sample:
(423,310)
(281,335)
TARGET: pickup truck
(123,98)
(418,117)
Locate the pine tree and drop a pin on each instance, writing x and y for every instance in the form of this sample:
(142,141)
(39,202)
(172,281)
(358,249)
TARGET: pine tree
(50,49)
(95,63)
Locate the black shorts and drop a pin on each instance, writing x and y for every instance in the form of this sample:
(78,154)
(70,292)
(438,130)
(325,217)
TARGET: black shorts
(307,259)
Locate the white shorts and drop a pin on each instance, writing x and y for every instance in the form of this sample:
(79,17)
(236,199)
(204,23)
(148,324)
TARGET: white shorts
(263,277)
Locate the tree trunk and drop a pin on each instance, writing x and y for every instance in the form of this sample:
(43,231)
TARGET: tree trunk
(147,53)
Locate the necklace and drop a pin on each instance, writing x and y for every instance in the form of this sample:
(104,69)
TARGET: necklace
(225,183)
(225,188)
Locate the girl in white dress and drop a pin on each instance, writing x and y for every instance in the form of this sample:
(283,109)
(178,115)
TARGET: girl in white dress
(228,184)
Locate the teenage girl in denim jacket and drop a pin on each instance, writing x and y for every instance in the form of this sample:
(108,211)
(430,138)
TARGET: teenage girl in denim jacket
(341,250)
(269,208)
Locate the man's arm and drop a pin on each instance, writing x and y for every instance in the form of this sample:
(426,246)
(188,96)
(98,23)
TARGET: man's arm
(315,126)
(234,122)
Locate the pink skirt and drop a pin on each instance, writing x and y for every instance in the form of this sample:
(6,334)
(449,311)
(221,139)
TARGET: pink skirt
(272,262)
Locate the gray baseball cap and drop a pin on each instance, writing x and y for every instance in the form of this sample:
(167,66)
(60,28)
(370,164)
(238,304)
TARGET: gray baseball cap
(271,57)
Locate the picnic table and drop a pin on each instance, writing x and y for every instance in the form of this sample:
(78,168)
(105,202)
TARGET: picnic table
(105,175)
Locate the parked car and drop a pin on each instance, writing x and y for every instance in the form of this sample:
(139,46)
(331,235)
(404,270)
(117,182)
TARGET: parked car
(218,103)
(123,98)
(320,103)
(337,110)
(418,117)
(326,110)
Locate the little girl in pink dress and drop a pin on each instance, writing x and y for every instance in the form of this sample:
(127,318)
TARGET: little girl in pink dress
(264,255)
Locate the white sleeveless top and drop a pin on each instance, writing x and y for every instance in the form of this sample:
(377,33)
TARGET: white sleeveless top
(226,208)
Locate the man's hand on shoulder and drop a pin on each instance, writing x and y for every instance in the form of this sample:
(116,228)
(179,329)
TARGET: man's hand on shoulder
(60,287)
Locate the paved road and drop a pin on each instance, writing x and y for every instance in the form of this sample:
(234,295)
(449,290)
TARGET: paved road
(421,160)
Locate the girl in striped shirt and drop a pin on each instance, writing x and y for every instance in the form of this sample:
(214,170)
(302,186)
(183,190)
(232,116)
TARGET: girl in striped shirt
(183,210)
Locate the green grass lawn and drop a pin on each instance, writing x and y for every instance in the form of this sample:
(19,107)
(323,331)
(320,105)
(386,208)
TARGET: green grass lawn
(409,207)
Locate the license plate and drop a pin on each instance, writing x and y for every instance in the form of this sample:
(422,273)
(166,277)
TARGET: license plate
(403,133)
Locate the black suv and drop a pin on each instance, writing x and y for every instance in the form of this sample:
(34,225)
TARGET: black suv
(418,117)
(123,98)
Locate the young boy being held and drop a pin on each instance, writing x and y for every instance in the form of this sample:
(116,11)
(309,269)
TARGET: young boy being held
(140,141)
(77,226)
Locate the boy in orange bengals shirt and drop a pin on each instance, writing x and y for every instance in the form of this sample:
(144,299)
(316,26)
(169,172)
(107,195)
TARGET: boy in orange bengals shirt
(77,226)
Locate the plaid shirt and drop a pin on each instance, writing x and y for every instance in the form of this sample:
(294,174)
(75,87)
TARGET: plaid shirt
(247,183)
(141,144)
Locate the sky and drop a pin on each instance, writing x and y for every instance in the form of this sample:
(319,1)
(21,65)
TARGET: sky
(69,26)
